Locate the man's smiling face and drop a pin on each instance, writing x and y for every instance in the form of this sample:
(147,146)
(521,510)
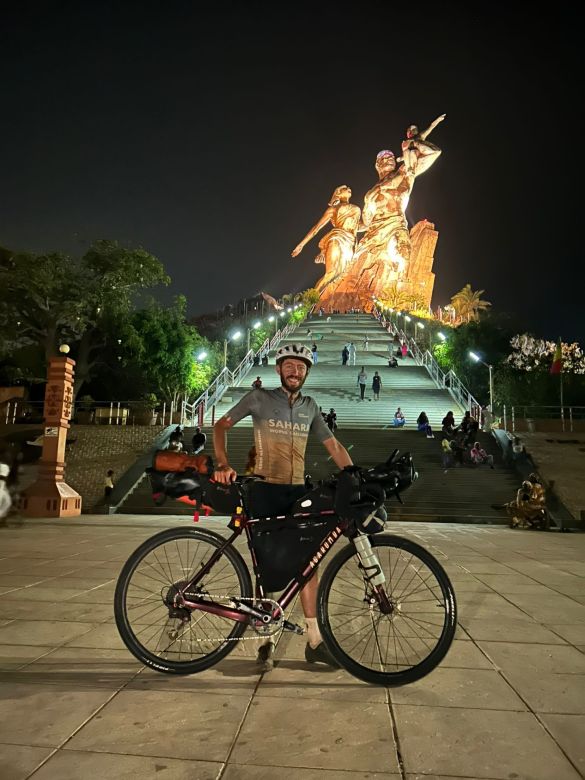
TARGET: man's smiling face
(293,374)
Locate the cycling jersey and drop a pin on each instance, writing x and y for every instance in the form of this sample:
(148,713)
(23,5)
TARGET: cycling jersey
(281,431)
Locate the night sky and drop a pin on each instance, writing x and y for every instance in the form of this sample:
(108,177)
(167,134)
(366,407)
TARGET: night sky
(214,136)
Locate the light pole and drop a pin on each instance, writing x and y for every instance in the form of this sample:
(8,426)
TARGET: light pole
(407,319)
(476,357)
(234,337)
(417,325)
(255,326)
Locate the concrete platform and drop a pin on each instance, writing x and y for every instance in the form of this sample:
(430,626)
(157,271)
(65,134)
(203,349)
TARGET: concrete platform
(507,702)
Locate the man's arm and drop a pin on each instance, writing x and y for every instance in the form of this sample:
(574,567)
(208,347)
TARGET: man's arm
(432,126)
(223,471)
(339,454)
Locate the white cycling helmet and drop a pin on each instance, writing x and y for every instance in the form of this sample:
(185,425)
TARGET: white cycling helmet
(297,351)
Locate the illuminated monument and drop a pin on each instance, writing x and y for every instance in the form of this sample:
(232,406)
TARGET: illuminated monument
(388,258)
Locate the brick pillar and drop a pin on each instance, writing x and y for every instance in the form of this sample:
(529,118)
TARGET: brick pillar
(50,496)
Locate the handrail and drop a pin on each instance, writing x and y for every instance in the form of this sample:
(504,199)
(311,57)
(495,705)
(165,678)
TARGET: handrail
(226,378)
(448,381)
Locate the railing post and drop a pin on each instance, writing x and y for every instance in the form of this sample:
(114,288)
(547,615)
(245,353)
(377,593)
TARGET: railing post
(513,419)
(164,412)
(563,418)
(111,412)
(571,419)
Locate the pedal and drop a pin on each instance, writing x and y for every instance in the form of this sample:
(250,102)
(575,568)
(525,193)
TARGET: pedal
(288,626)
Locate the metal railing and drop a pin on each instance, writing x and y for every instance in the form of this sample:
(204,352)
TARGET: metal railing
(546,418)
(194,414)
(447,381)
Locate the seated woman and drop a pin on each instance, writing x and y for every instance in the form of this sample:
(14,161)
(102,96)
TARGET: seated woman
(422,424)
(399,420)
(480,456)
(448,425)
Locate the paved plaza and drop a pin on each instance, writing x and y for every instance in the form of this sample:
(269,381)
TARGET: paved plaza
(508,702)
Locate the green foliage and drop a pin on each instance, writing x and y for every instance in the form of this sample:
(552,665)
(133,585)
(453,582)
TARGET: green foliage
(468,304)
(161,348)
(309,298)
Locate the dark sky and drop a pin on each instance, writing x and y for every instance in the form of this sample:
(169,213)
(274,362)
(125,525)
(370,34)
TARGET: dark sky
(214,134)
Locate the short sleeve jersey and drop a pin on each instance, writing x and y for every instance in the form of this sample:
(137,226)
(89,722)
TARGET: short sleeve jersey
(281,431)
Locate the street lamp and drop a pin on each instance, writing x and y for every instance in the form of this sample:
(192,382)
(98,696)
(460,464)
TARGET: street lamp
(255,326)
(474,356)
(418,325)
(406,319)
(441,336)
(201,356)
(234,337)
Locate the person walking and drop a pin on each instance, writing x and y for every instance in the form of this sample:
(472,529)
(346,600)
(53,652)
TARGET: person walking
(108,485)
(361,380)
(366,344)
(376,385)
(314,353)
(344,355)
(404,350)
(352,350)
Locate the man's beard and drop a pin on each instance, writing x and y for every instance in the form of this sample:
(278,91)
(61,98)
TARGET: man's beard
(290,388)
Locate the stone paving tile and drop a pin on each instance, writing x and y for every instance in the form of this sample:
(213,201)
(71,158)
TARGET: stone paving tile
(42,632)
(18,761)
(549,692)
(45,715)
(164,723)
(44,592)
(292,679)
(62,611)
(511,656)
(568,730)
(105,636)
(83,667)
(509,631)
(465,654)
(478,744)
(14,657)
(572,633)
(475,689)
(73,765)
(232,676)
(242,772)
(327,739)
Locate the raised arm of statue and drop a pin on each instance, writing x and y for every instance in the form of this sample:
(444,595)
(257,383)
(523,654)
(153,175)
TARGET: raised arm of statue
(432,126)
(313,231)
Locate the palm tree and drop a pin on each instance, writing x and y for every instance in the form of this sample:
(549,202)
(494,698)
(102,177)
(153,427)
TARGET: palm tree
(468,303)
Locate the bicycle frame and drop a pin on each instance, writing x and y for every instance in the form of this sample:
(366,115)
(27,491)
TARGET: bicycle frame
(242,524)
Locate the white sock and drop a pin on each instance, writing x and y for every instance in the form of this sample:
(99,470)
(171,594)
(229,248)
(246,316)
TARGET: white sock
(313,634)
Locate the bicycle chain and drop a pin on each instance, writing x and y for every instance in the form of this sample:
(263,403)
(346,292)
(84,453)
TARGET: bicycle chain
(259,634)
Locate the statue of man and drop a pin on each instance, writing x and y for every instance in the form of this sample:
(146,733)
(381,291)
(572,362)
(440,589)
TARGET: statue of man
(338,244)
(382,255)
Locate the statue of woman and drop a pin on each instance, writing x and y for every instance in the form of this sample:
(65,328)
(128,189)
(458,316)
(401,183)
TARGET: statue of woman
(336,246)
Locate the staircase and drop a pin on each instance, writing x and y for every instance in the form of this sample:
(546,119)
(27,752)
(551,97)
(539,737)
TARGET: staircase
(365,428)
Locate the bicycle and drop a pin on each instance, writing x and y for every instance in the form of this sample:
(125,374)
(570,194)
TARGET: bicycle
(386,608)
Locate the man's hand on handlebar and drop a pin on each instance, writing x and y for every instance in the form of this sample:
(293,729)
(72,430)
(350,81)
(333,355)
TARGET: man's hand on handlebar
(224,474)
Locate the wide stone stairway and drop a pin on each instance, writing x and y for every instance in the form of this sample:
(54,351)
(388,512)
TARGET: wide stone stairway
(365,427)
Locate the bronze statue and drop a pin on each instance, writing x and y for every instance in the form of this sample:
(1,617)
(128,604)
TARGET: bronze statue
(337,246)
(383,253)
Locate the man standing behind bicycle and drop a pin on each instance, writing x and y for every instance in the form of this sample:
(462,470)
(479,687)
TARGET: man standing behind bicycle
(282,419)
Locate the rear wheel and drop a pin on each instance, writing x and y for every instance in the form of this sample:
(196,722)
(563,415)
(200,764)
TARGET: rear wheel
(167,638)
(407,643)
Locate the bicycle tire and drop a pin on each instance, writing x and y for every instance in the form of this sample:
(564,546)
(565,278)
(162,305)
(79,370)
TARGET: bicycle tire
(121,606)
(330,614)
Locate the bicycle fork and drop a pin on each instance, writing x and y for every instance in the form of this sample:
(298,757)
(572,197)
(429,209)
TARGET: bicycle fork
(370,565)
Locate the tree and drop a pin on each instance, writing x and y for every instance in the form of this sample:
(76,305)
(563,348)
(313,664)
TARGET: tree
(49,299)
(397,299)
(310,297)
(468,304)
(160,348)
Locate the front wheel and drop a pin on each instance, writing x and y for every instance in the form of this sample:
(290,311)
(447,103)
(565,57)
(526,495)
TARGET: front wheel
(403,644)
